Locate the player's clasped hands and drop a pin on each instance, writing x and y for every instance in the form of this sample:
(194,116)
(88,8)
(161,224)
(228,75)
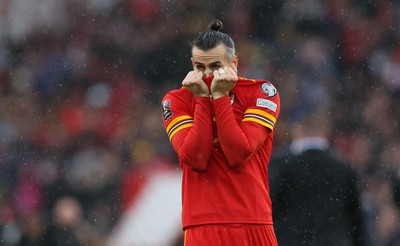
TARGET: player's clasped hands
(195,84)
(224,80)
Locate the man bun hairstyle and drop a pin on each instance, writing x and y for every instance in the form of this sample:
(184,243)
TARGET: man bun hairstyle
(210,39)
(215,25)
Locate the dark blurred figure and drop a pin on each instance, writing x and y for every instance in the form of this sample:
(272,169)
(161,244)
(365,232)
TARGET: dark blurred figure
(70,227)
(315,196)
(34,231)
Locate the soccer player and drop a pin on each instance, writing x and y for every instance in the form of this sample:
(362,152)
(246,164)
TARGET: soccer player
(221,127)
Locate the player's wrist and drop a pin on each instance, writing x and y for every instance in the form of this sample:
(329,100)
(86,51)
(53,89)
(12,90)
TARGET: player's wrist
(202,95)
(216,95)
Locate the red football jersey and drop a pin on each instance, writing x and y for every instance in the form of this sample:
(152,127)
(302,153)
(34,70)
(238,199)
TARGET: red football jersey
(224,147)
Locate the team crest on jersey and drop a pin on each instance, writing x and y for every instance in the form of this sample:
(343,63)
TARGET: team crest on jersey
(232,97)
(268,89)
(166,108)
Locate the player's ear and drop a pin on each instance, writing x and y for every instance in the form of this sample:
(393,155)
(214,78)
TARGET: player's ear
(235,63)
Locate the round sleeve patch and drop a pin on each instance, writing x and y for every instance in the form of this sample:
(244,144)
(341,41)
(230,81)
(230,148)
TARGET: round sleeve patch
(268,89)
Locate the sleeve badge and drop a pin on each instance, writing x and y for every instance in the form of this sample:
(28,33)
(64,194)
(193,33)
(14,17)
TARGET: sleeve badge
(265,103)
(166,108)
(268,89)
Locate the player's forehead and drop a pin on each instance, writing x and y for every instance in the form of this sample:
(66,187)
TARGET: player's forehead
(216,54)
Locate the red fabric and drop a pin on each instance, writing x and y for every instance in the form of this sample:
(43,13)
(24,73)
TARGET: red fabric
(134,179)
(72,119)
(229,183)
(194,146)
(132,182)
(230,235)
(238,141)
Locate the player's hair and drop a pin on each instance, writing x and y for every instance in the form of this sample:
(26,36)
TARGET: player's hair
(210,39)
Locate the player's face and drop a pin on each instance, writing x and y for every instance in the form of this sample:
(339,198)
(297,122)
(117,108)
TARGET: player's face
(209,60)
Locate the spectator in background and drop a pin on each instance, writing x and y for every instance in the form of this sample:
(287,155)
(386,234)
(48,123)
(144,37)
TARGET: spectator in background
(35,231)
(70,227)
(315,196)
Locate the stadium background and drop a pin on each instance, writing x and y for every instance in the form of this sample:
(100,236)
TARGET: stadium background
(83,155)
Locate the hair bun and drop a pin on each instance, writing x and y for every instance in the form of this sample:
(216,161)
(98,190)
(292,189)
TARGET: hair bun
(216,25)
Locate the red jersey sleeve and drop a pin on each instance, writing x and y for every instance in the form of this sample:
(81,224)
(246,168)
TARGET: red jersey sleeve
(240,140)
(263,106)
(189,130)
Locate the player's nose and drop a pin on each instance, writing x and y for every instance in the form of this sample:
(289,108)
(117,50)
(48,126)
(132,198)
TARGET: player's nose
(208,72)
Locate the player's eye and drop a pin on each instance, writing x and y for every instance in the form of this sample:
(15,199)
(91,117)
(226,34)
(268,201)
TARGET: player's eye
(199,67)
(215,67)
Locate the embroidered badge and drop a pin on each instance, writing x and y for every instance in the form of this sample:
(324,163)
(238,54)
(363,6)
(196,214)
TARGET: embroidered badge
(232,97)
(268,89)
(166,108)
(265,103)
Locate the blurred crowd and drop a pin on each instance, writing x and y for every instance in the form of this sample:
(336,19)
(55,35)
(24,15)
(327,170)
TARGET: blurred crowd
(81,84)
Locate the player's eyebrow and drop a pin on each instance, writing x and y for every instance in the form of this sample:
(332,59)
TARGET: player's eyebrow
(214,63)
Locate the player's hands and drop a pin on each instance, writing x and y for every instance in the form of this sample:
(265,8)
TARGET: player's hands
(195,84)
(224,80)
